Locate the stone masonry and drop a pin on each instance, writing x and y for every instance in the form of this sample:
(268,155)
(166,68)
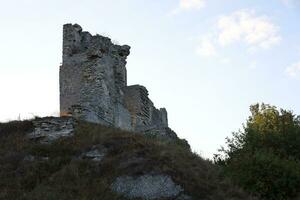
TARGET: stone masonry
(93,85)
(144,115)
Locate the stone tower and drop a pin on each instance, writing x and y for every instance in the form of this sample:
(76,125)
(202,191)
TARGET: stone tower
(93,85)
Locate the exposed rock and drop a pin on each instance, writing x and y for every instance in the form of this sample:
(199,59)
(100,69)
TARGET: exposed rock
(146,187)
(95,154)
(50,129)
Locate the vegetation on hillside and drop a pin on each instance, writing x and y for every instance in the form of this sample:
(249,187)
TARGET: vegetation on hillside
(30,170)
(264,157)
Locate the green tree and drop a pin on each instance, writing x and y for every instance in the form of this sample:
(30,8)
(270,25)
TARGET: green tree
(264,157)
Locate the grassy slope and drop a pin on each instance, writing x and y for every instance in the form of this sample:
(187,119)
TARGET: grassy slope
(63,176)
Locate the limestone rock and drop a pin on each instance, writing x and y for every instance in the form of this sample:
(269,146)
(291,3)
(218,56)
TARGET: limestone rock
(146,187)
(95,154)
(50,129)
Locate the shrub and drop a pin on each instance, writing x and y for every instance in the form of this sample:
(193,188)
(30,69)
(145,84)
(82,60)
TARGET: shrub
(264,157)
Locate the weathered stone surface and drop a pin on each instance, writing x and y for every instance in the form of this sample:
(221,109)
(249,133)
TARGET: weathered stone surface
(95,154)
(144,115)
(146,187)
(92,76)
(50,129)
(93,85)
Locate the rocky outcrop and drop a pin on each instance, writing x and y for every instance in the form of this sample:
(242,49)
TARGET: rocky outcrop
(147,187)
(49,129)
(95,154)
(93,85)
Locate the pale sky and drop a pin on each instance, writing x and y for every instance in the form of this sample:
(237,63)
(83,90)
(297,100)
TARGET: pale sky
(206,61)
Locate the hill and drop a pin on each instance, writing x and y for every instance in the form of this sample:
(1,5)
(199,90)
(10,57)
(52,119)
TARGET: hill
(98,162)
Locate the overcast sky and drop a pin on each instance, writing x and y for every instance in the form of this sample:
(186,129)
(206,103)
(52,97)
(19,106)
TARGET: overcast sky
(206,61)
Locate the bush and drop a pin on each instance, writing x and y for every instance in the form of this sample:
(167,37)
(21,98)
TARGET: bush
(264,157)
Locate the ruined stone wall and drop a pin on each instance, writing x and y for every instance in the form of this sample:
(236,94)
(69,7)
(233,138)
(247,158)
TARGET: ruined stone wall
(93,85)
(144,116)
(92,76)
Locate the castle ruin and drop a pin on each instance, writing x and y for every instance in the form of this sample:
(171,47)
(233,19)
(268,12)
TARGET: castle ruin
(93,85)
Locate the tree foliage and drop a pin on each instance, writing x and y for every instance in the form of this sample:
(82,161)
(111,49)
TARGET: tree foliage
(264,157)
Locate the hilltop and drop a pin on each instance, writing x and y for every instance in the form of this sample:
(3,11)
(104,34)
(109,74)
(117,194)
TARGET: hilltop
(99,162)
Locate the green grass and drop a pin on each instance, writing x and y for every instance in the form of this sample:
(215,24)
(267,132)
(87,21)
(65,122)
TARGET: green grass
(64,176)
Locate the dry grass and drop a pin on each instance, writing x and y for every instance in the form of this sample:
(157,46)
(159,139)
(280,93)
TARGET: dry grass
(64,176)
